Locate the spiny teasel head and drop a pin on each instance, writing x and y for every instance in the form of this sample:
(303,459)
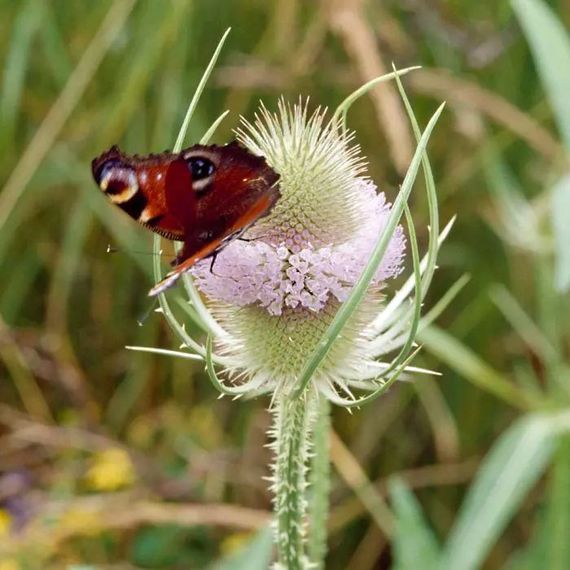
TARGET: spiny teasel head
(276,292)
(317,162)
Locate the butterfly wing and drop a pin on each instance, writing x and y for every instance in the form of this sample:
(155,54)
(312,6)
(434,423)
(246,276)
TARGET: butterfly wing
(155,190)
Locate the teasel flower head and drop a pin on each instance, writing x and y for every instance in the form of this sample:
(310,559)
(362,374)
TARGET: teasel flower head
(276,292)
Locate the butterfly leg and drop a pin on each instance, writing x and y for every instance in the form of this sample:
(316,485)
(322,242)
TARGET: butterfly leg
(178,259)
(214,257)
(251,239)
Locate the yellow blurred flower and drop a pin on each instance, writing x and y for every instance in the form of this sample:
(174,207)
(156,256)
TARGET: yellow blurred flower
(110,470)
(10,564)
(5,524)
(234,543)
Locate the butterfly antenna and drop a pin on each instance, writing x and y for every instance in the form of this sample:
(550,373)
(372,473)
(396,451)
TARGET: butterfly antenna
(144,316)
(112,249)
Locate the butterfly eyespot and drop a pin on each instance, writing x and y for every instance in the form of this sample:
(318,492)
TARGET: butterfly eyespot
(103,170)
(201,168)
(117,180)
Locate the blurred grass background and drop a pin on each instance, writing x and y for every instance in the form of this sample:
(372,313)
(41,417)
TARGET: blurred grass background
(113,459)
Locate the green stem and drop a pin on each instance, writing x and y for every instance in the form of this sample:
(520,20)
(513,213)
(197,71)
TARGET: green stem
(319,487)
(292,435)
(549,311)
(558,513)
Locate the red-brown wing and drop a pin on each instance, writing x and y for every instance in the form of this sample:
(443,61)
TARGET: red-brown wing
(154,190)
(241,179)
(181,199)
(256,210)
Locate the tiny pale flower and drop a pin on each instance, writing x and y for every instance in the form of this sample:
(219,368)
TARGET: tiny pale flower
(295,273)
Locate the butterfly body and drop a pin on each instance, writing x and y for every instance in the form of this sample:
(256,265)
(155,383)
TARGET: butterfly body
(204,196)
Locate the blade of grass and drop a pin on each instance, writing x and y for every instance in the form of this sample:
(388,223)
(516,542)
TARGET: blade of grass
(461,359)
(430,190)
(17,290)
(557,519)
(166,352)
(414,543)
(210,132)
(57,116)
(155,38)
(54,45)
(24,29)
(198,93)
(390,312)
(24,381)
(550,46)
(444,301)
(512,467)
(342,110)
(355,476)
(560,206)
(417,304)
(521,321)
(519,219)
(65,271)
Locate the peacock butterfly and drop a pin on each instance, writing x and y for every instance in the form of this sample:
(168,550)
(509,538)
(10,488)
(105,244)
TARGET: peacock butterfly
(204,196)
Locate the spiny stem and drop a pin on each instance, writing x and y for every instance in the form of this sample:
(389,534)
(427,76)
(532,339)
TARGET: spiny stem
(319,487)
(292,438)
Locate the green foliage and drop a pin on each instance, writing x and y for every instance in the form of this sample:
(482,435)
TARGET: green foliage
(171,546)
(550,45)
(514,464)
(415,546)
(68,388)
(560,205)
